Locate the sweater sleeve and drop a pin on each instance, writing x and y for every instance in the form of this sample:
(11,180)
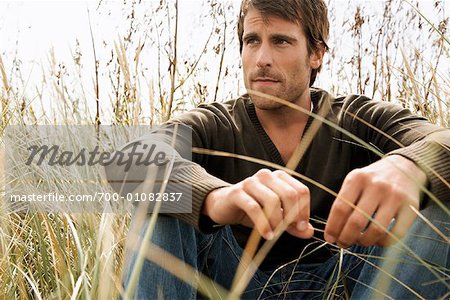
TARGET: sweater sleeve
(187,177)
(434,159)
(208,122)
(395,130)
(200,184)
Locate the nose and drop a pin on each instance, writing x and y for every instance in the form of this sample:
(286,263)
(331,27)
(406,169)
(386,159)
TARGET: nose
(264,56)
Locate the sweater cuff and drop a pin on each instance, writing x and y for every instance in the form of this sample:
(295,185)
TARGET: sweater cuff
(434,160)
(202,184)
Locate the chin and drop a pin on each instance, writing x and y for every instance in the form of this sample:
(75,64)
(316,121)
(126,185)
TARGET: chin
(265,104)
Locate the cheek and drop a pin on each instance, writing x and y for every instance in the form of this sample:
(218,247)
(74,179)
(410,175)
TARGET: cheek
(245,71)
(299,69)
(246,59)
(246,64)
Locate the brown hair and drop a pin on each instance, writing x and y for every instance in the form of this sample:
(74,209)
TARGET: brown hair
(311,15)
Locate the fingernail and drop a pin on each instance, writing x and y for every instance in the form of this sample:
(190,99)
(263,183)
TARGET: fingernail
(269,235)
(330,239)
(302,226)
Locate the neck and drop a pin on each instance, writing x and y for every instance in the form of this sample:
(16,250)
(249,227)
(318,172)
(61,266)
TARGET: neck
(285,117)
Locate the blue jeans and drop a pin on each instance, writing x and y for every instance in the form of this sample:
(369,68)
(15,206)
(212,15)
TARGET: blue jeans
(353,273)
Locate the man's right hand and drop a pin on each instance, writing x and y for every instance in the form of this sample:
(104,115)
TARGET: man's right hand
(263,201)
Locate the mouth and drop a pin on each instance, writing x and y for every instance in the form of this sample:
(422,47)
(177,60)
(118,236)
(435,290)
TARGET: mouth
(265,81)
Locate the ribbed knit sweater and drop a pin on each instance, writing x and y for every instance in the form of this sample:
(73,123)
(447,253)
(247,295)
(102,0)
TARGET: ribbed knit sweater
(233,127)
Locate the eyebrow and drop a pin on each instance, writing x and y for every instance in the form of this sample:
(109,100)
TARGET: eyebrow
(272,37)
(283,37)
(250,35)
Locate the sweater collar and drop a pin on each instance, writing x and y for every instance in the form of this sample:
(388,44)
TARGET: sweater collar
(316,96)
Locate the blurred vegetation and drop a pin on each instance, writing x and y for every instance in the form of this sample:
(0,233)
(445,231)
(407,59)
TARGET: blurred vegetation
(164,62)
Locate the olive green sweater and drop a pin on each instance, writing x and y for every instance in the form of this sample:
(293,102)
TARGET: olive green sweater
(234,127)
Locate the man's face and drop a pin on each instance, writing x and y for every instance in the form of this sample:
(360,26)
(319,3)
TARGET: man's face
(275,59)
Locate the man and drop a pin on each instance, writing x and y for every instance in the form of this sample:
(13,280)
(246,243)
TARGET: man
(282,48)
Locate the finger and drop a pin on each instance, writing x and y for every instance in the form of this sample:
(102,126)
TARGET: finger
(289,200)
(405,219)
(342,208)
(378,229)
(300,208)
(255,212)
(358,220)
(303,234)
(287,195)
(267,198)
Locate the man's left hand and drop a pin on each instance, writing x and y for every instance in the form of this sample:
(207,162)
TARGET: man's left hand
(383,191)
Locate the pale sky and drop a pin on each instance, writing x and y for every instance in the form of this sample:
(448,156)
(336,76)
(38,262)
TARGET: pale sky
(30,29)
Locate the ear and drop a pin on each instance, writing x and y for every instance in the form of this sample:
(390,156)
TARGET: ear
(316,58)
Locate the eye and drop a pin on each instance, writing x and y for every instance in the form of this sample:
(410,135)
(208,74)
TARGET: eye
(280,41)
(251,40)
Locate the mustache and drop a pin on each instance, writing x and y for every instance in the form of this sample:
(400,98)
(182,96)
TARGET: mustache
(265,73)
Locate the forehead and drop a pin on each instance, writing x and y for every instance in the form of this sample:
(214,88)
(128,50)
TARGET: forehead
(255,21)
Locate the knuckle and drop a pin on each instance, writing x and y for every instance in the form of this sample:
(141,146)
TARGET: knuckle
(356,175)
(383,185)
(248,183)
(378,230)
(263,173)
(280,173)
(303,191)
(340,207)
(290,194)
(357,221)
(253,207)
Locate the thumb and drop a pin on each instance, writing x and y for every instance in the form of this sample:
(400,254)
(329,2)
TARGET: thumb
(303,234)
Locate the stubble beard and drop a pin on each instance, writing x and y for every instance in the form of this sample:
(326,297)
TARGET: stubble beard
(285,91)
(265,103)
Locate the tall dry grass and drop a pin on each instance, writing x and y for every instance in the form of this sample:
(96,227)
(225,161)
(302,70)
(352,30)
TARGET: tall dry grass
(400,55)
